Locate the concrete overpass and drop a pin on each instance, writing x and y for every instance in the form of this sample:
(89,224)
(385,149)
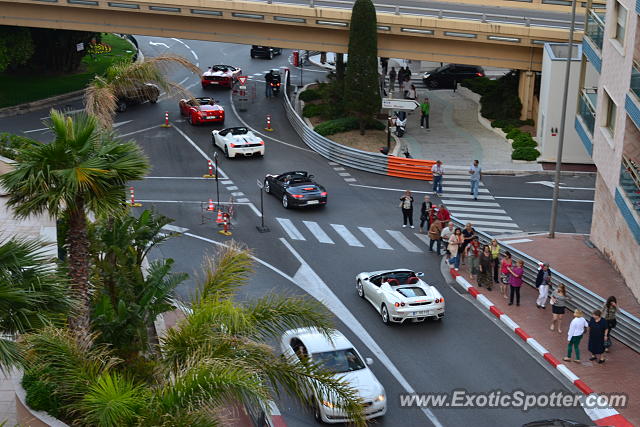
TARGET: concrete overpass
(479,41)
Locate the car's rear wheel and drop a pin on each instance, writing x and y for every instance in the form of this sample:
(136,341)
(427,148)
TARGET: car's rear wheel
(271,55)
(285,202)
(122,106)
(253,56)
(190,119)
(267,187)
(384,313)
(226,151)
(153,100)
(360,289)
(434,84)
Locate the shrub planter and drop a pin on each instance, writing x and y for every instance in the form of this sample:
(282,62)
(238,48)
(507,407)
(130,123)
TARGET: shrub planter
(26,416)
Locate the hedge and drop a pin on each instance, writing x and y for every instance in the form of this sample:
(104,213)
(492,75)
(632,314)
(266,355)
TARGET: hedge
(524,140)
(345,124)
(310,95)
(312,110)
(525,153)
(513,133)
(10,145)
(511,123)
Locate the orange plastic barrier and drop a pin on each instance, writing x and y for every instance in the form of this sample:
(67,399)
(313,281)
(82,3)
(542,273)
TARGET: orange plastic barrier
(410,168)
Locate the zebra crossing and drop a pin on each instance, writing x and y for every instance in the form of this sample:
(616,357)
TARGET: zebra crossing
(358,237)
(485,214)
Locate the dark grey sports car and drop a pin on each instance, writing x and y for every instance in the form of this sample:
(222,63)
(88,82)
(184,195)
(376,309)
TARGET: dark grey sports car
(296,188)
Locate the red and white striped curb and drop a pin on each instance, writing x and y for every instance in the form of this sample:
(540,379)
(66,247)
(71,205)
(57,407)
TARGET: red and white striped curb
(277,420)
(602,417)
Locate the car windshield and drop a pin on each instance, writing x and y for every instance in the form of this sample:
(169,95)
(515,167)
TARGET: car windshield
(238,131)
(339,360)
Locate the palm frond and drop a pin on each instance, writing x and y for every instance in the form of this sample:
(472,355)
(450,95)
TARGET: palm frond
(111,401)
(224,272)
(11,355)
(101,101)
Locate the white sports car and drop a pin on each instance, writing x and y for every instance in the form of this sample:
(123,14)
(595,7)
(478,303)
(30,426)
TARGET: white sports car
(400,295)
(238,141)
(340,356)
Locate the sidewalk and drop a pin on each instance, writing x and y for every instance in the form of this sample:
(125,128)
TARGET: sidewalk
(569,255)
(455,136)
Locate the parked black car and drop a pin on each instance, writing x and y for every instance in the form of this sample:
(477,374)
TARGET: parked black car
(138,95)
(296,188)
(265,51)
(445,76)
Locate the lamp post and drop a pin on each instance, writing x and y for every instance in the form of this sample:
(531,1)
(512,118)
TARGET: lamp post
(556,184)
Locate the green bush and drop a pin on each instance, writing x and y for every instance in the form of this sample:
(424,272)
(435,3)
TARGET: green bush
(312,110)
(10,145)
(479,85)
(345,124)
(513,133)
(528,122)
(40,391)
(525,153)
(524,140)
(310,95)
(501,100)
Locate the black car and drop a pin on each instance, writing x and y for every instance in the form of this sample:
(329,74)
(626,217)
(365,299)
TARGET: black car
(265,51)
(137,95)
(444,77)
(296,188)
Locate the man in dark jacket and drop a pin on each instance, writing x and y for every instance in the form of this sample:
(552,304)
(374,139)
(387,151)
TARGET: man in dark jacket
(268,78)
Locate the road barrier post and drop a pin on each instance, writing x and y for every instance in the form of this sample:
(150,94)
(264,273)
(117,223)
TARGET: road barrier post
(261,228)
(269,128)
(210,166)
(132,202)
(166,123)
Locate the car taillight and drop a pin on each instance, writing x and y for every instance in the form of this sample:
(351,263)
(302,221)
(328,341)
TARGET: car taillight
(479,74)
(324,193)
(261,142)
(232,145)
(399,304)
(297,196)
(439,300)
(278,84)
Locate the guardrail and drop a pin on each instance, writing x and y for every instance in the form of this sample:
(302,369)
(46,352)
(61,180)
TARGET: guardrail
(627,330)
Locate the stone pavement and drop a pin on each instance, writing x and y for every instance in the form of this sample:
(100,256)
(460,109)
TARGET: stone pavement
(570,255)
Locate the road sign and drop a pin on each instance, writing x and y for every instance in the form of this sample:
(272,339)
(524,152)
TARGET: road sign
(242,80)
(400,104)
(260,183)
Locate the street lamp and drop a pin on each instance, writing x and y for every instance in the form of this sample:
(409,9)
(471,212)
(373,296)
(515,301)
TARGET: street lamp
(556,184)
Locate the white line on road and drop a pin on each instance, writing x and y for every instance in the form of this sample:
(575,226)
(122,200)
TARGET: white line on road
(290,229)
(423,237)
(347,236)
(79,110)
(158,44)
(390,189)
(187,46)
(480,216)
(138,131)
(466,197)
(318,232)
(496,230)
(375,238)
(404,241)
(454,209)
(199,150)
(464,189)
(467,203)
(498,224)
(175,228)
(542,199)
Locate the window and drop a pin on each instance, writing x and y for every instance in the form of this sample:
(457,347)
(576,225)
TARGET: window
(621,22)
(610,120)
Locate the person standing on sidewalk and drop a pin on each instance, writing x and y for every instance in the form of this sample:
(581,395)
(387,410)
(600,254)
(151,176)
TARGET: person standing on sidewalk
(392,79)
(543,283)
(401,81)
(425,109)
(559,300)
(413,92)
(486,265)
(425,210)
(446,233)
(473,250)
(435,231)
(455,240)
(495,258)
(597,335)
(576,330)
(406,204)
(437,171)
(468,233)
(476,174)
(515,281)
(609,312)
(505,274)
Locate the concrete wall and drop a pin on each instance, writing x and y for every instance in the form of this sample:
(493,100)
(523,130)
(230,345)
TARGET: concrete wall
(550,107)
(610,233)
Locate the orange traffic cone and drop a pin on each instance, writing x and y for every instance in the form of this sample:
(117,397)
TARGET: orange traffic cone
(219,219)
(211,207)
(225,231)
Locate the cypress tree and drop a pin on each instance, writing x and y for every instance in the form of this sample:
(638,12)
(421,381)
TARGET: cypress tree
(362,87)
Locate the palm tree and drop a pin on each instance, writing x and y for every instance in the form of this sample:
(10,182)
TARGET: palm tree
(32,295)
(219,353)
(84,169)
(101,95)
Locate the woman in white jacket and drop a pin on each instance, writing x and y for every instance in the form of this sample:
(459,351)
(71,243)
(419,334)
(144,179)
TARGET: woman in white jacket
(576,330)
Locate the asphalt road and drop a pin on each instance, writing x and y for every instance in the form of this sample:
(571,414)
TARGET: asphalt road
(468,350)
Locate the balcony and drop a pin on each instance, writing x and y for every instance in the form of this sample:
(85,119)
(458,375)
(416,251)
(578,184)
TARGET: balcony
(586,118)
(595,28)
(628,200)
(632,100)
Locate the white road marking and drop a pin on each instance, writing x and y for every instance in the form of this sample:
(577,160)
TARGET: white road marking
(318,232)
(464,189)
(158,44)
(467,197)
(34,130)
(401,190)
(290,229)
(232,187)
(454,209)
(309,281)
(79,110)
(350,180)
(237,194)
(344,174)
(496,230)
(479,216)
(226,182)
(175,228)
(138,131)
(404,241)
(497,224)
(467,203)
(243,200)
(334,163)
(513,242)
(188,47)
(375,238)
(543,200)
(423,237)
(199,150)
(338,169)
(347,236)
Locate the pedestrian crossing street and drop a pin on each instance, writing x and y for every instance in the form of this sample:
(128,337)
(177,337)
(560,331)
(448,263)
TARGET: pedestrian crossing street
(485,214)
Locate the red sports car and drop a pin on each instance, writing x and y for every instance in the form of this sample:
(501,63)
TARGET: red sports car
(220,75)
(201,110)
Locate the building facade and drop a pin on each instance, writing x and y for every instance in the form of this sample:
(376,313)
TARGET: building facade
(608,123)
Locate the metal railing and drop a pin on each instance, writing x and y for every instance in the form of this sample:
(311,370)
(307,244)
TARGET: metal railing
(634,84)
(595,28)
(587,108)
(347,156)
(627,330)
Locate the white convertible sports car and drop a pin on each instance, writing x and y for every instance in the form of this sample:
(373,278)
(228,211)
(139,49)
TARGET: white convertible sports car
(400,295)
(337,355)
(238,141)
